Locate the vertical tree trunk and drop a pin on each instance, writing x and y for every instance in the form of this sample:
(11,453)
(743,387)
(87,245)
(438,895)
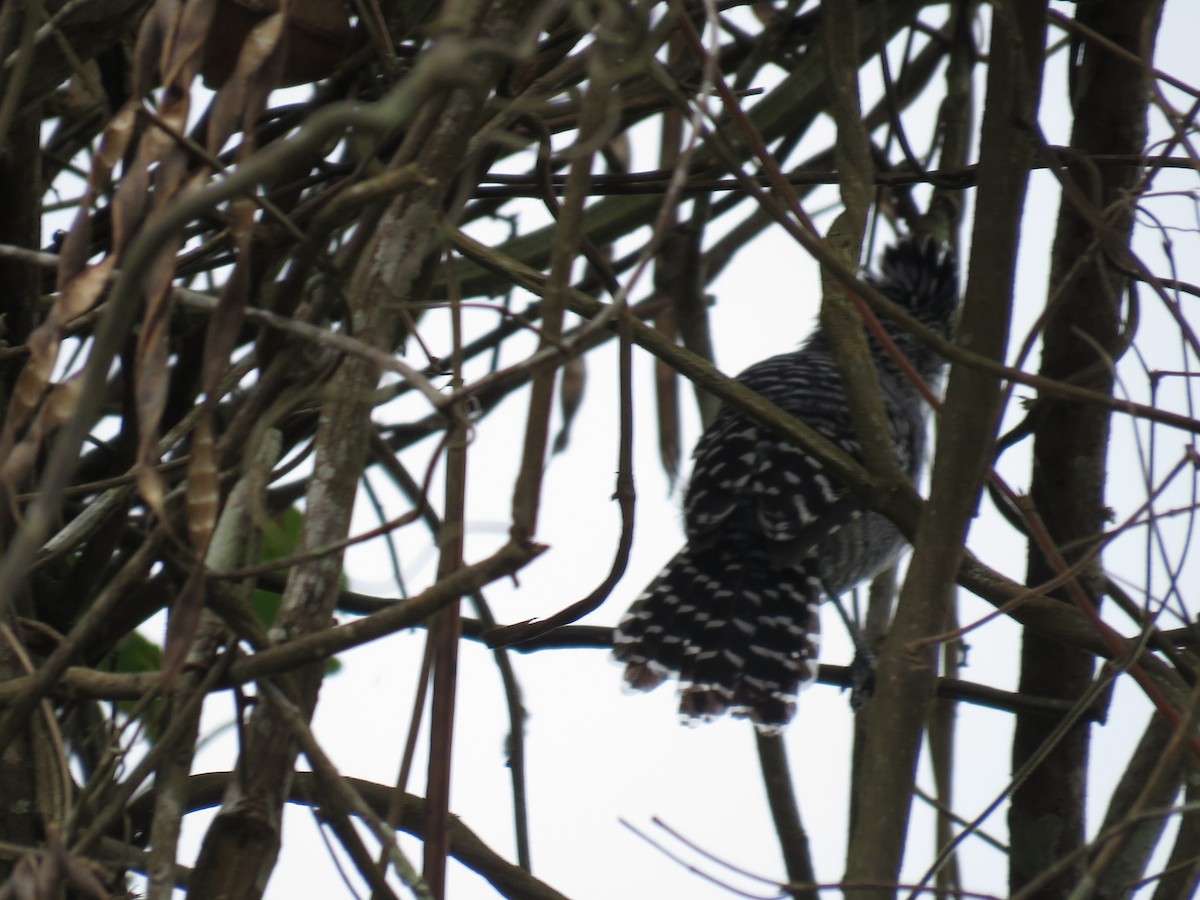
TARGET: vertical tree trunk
(1081,340)
(895,716)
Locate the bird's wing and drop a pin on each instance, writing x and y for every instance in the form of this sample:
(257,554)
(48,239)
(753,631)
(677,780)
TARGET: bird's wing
(747,478)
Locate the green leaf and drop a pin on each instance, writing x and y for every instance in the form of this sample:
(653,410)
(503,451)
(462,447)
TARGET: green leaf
(137,653)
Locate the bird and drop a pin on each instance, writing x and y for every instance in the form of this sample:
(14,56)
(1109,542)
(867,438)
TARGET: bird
(770,532)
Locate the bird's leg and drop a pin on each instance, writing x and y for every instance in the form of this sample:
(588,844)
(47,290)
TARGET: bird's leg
(862,667)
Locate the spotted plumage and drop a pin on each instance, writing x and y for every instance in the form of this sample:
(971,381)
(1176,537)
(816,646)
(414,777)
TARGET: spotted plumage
(770,532)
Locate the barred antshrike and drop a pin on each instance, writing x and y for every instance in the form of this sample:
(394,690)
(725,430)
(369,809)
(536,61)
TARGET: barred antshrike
(769,532)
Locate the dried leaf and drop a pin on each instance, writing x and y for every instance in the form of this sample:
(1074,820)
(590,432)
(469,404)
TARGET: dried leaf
(167,13)
(244,96)
(178,33)
(58,406)
(17,463)
(147,50)
(61,403)
(31,384)
(150,387)
(129,203)
(80,294)
(570,395)
(29,391)
(113,144)
(224,325)
(180,61)
(171,176)
(317,36)
(203,485)
(150,486)
(241,223)
(261,63)
(240,103)
(667,396)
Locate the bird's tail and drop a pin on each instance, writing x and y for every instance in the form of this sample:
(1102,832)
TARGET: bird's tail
(741,634)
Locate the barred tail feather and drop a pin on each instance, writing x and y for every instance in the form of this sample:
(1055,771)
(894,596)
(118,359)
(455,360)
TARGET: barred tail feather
(647,639)
(742,638)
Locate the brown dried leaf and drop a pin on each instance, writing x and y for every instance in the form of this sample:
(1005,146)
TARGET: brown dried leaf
(73,255)
(667,395)
(224,114)
(17,464)
(151,486)
(61,403)
(173,107)
(261,63)
(570,395)
(149,47)
(204,486)
(244,96)
(113,144)
(317,35)
(181,57)
(241,223)
(171,176)
(29,391)
(223,326)
(81,293)
(241,100)
(129,203)
(158,159)
(174,35)
(150,387)
(31,384)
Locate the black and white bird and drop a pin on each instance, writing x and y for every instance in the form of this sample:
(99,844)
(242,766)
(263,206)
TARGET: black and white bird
(769,533)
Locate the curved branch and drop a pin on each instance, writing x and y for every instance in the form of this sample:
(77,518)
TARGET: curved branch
(206,790)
